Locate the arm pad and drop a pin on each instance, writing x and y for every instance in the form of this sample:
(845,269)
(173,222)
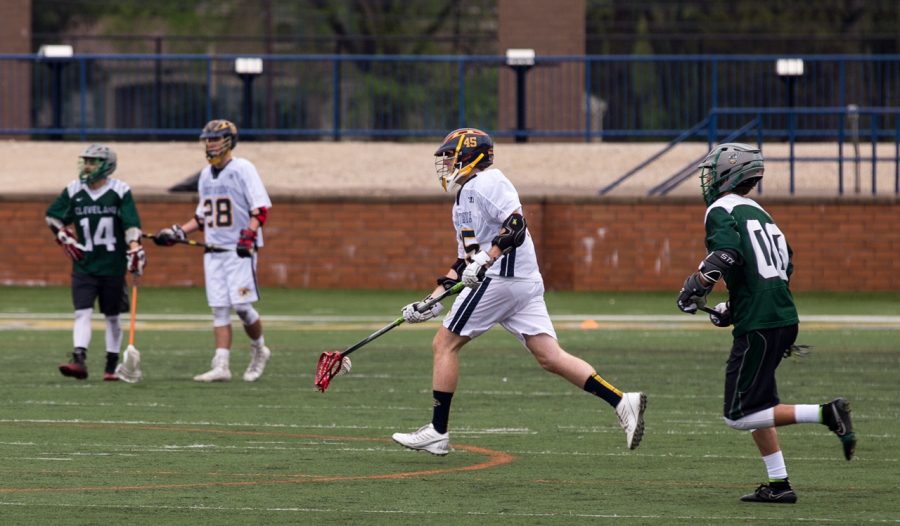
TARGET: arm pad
(458,266)
(512,233)
(261,214)
(54,224)
(716,263)
(133,234)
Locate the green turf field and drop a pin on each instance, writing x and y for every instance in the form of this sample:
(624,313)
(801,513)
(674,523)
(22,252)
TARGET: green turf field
(529,448)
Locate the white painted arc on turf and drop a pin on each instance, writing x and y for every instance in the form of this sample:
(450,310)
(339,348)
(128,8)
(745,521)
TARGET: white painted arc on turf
(815,318)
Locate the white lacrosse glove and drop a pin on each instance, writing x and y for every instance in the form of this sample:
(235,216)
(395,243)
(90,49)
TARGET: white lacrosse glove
(70,245)
(169,236)
(475,270)
(136,259)
(722,317)
(411,312)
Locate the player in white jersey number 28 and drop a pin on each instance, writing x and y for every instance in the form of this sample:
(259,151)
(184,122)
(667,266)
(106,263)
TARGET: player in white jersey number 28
(497,262)
(232,209)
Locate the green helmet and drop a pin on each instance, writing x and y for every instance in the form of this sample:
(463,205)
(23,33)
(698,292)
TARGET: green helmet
(727,166)
(103,169)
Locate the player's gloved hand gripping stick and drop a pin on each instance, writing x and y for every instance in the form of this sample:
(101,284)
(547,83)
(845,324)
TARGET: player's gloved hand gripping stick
(334,363)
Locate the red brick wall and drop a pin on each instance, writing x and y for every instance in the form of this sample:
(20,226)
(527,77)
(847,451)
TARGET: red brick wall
(590,244)
(15,77)
(555,96)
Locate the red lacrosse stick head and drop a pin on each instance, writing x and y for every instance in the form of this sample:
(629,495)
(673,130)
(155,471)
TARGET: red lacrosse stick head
(328,367)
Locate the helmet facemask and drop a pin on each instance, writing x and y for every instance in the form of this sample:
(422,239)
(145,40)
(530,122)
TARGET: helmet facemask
(217,150)
(452,170)
(96,163)
(461,153)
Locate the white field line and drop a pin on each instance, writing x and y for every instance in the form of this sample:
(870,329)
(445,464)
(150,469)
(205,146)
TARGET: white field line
(444,515)
(824,318)
(62,321)
(707,428)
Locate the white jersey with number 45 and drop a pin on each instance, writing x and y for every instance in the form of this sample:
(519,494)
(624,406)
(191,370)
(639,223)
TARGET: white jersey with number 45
(226,200)
(482,205)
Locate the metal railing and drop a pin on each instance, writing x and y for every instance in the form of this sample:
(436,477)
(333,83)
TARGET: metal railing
(835,98)
(315,97)
(883,127)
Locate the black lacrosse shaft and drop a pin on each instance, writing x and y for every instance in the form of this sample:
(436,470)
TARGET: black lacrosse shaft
(191,242)
(425,306)
(182,241)
(372,336)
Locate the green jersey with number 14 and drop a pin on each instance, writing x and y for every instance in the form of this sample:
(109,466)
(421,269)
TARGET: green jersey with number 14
(758,288)
(101,218)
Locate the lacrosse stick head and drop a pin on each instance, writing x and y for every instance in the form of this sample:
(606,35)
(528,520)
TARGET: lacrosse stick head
(130,369)
(330,364)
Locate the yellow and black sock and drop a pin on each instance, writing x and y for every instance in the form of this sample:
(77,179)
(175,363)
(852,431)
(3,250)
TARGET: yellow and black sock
(599,387)
(779,484)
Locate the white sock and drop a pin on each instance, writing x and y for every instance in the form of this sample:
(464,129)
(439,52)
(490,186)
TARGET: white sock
(113,334)
(81,335)
(223,355)
(258,343)
(775,466)
(808,414)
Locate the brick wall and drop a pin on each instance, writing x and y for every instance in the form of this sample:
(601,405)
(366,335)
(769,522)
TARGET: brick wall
(555,96)
(15,77)
(589,244)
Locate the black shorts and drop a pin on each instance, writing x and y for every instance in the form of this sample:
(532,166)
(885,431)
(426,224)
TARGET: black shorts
(750,372)
(109,289)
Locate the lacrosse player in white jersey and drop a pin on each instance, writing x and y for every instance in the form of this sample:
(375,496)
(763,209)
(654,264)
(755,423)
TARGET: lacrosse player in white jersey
(233,208)
(497,263)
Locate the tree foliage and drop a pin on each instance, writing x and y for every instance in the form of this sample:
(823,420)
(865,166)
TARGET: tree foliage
(742,26)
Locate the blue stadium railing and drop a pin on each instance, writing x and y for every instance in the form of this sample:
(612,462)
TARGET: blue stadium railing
(404,97)
(372,97)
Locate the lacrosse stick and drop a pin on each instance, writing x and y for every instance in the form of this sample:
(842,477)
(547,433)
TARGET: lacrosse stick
(191,242)
(130,368)
(335,363)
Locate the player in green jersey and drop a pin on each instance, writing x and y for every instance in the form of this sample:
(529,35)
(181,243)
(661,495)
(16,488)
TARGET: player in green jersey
(96,223)
(748,250)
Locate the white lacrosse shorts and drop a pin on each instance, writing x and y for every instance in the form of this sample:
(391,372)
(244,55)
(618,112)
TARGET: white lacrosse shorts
(230,279)
(517,305)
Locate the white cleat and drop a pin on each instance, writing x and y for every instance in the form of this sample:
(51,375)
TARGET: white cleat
(631,417)
(425,439)
(258,358)
(219,372)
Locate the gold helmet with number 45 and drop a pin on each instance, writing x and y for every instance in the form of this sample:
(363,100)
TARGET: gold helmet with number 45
(460,153)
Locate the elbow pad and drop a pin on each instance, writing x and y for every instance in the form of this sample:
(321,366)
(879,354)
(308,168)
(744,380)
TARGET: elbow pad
(261,215)
(512,233)
(717,263)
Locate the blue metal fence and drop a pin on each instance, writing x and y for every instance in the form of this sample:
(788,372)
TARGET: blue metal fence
(370,97)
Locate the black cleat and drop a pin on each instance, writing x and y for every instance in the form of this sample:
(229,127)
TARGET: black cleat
(766,493)
(837,416)
(74,369)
